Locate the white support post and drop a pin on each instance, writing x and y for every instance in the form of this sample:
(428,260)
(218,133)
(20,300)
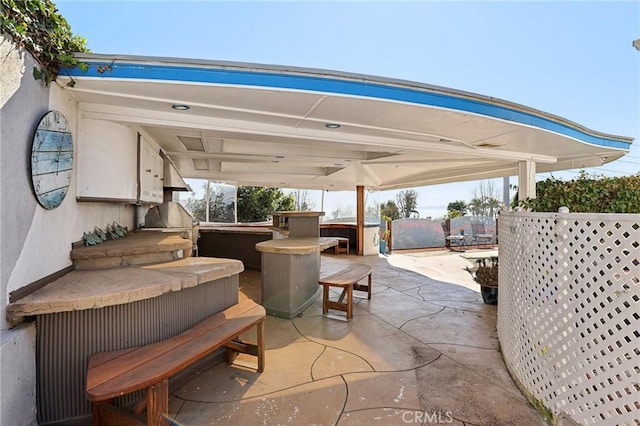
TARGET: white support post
(505,193)
(526,180)
(206,201)
(235,203)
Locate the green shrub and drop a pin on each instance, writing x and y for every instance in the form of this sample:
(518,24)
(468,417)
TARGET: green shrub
(587,194)
(36,26)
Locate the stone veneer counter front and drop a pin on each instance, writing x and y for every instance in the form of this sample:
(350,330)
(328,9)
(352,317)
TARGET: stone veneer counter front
(97,288)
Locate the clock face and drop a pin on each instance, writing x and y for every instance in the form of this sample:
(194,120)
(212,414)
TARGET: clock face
(52,160)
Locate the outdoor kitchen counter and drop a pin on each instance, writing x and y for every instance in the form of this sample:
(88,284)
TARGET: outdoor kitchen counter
(233,242)
(110,309)
(97,288)
(290,273)
(252,230)
(135,248)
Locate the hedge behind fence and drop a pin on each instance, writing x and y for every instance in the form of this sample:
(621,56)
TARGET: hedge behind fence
(587,194)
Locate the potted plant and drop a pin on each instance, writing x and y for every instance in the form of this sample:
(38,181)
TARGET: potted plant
(486,275)
(384,240)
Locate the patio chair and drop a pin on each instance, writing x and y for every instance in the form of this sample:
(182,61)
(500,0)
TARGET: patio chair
(451,241)
(479,235)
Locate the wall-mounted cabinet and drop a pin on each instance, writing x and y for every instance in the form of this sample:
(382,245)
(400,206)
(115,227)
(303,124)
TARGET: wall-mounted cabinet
(151,172)
(117,164)
(107,162)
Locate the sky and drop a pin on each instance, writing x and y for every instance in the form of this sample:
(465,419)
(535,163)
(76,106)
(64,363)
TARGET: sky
(572,59)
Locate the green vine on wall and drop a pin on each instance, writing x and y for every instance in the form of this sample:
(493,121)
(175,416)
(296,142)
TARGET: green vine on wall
(36,26)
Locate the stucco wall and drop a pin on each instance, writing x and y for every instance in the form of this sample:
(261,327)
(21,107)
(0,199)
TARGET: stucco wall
(24,101)
(34,242)
(18,391)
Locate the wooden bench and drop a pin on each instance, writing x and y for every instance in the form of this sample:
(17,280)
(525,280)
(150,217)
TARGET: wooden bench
(116,373)
(342,246)
(347,279)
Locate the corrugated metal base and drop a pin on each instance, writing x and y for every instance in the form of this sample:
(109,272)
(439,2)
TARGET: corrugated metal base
(289,282)
(66,340)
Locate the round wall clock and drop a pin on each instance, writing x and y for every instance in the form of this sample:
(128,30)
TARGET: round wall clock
(52,160)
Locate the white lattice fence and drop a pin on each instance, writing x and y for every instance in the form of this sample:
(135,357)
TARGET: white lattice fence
(569,312)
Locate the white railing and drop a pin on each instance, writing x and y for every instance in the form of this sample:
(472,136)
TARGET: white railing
(569,312)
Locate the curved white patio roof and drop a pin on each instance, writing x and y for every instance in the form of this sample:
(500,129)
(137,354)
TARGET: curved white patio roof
(266,125)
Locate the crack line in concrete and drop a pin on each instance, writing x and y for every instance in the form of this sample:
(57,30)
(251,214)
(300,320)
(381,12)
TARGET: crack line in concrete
(498,384)
(456,344)
(460,309)
(346,398)
(404,370)
(262,395)
(324,349)
(422,316)
(336,348)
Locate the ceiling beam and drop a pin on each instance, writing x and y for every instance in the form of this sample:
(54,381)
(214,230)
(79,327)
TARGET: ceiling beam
(163,119)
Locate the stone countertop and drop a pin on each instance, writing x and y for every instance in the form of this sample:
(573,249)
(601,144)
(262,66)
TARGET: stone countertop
(346,224)
(237,230)
(297,214)
(134,243)
(92,289)
(296,245)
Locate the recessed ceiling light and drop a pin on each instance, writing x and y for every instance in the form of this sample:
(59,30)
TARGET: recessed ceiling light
(180,107)
(332,126)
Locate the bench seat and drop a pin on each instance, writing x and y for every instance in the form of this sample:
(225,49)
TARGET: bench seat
(347,279)
(116,373)
(342,246)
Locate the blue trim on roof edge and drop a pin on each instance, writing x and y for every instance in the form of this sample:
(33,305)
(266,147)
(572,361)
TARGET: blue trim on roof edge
(334,85)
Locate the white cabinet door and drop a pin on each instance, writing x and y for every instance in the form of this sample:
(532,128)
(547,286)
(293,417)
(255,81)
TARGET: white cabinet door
(151,173)
(107,162)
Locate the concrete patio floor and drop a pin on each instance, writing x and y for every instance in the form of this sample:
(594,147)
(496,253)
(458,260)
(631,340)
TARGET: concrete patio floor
(421,351)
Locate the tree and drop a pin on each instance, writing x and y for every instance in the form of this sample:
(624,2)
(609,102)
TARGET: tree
(486,199)
(303,200)
(342,212)
(389,211)
(456,208)
(219,210)
(256,204)
(407,202)
(372,212)
(196,207)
